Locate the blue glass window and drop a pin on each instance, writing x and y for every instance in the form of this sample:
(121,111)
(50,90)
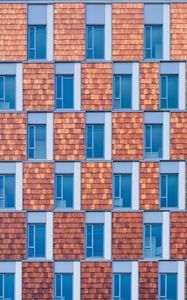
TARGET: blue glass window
(64,91)
(8,92)
(122,91)
(7,286)
(122,190)
(37,141)
(64,286)
(152,240)
(168,286)
(122,286)
(169,91)
(94,240)
(169,190)
(36,240)
(36,42)
(153,141)
(7,191)
(95,42)
(64,191)
(153,42)
(95,141)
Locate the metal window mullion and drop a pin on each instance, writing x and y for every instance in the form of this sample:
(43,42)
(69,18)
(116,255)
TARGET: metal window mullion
(62,87)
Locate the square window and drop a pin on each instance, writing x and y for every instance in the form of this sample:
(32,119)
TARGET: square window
(37,42)
(122,190)
(169,190)
(153,41)
(94,42)
(7,191)
(36,141)
(122,96)
(153,141)
(94,240)
(168,286)
(64,191)
(7,286)
(95,141)
(152,240)
(8,92)
(64,91)
(169,91)
(122,286)
(63,286)
(36,240)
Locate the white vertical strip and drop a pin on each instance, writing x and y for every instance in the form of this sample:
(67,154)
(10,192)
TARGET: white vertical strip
(19,86)
(77,186)
(77,86)
(135,185)
(49,235)
(76,281)
(166,31)
(181,281)
(108,235)
(50,32)
(135,86)
(182,185)
(18,281)
(166,135)
(135,280)
(108,31)
(182,85)
(108,136)
(166,235)
(19,186)
(49,136)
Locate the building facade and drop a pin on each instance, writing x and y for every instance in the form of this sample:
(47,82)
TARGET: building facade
(93,150)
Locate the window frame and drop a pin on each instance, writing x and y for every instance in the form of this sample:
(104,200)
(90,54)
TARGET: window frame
(35,26)
(34,257)
(92,246)
(119,274)
(3,100)
(62,182)
(61,275)
(151,141)
(150,237)
(62,76)
(34,148)
(14,176)
(120,188)
(165,274)
(166,98)
(151,41)
(166,197)
(93,26)
(119,99)
(92,147)
(3,290)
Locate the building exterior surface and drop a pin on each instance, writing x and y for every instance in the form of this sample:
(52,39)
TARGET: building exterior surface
(93,150)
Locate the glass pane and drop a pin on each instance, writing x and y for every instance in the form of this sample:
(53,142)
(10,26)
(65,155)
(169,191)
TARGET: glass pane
(126,190)
(172,286)
(156,141)
(58,285)
(1,186)
(126,286)
(31,37)
(98,141)
(67,286)
(163,92)
(116,285)
(40,42)
(10,91)
(9,286)
(40,240)
(97,240)
(89,42)
(1,285)
(89,235)
(1,88)
(59,88)
(147,42)
(68,92)
(126,90)
(31,235)
(173,190)
(156,241)
(163,190)
(147,136)
(116,184)
(58,186)
(10,191)
(40,149)
(68,190)
(172,91)
(147,235)
(156,41)
(89,141)
(116,87)
(31,141)
(162,285)
(99,42)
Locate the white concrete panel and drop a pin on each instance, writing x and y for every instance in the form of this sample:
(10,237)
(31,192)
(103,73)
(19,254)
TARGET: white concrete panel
(108,136)
(50,136)
(182,185)
(19,86)
(135,86)
(166,235)
(49,235)
(77,86)
(108,236)
(50,40)
(77,185)
(77,281)
(166,135)
(182,85)
(18,281)
(181,280)
(19,186)
(135,280)
(108,32)
(135,185)
(166,31)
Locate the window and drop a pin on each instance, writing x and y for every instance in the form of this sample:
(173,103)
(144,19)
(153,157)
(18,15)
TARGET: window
(168,286)
(64,191)
(95,141)
(63,286)
(152,240)
(153,41)
(7,92)
(36,240)
(64,91)
(7,286)
(36,42)
(153,141)
(95,42)
(169,190)
(7,191)
(122,286)
(37,141)
(169,91)
(122,91)
(94,240)
(122,190)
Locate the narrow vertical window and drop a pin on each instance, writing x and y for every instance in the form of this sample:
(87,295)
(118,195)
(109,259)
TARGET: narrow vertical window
(152,240)
(122,190)
(37,141)
(64,191)
(36,42)
(95,141)
(7,92)
(123,91)
(64,91)
(169,91)
(169,190)
(36,240)
(7,286)
(63,286)
(153,141)
(122,286)
(95,42)
(7,191)
(168,286)
(153,41)
(94,240)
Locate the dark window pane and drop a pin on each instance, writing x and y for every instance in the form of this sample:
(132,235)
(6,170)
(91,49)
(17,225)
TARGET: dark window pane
(9,286)
(162,285)
(89,141)
(126,190)
(116,87)
(31,235)
(1,186)
(172,190)
(116,285)
(40,149)
(98,141)
(163,190)
(31,141)
(156,41)
(67,286)
(156,241)
(40,42)
(172,286)
(10,91)
(163,92)
(40,240)
(59,88)
(1,88)
(98,240)
(117,187)
(156,141)
(89,236)
(1,285)
(58,186)
(148,136)
(126,89)
(31,37)
(89,35)
(172,91)
(68,190)
(147,235)
(68,92)
(58,285)
(147,37)
(99,42)
(10,191)
(126,286)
